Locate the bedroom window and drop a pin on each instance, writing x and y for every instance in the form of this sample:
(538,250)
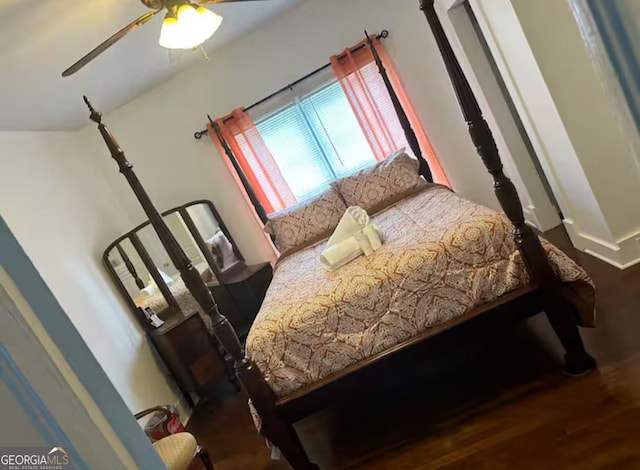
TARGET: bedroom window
(334,121)
(314,139)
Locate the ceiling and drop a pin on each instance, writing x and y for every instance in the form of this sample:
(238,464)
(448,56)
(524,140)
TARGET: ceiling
(41,38)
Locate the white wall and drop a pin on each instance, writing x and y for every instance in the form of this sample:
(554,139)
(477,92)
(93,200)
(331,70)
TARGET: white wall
(63,213)
(156,129)
(563,106)
(586,112)
(518,164)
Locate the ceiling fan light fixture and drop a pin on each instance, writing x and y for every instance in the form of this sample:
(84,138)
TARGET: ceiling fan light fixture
(188,26)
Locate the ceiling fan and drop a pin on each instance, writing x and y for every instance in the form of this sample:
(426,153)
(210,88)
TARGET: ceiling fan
(187,24)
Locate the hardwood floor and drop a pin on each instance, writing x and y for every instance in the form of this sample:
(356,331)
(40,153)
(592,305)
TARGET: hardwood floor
(496,402)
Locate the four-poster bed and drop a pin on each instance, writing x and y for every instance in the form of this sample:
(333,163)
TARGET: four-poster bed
(542,292)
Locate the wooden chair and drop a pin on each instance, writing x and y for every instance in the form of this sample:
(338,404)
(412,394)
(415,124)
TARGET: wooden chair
(177,451)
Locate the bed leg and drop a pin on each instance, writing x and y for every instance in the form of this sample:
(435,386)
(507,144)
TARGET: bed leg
(203,455)
(282,435)
(561,316)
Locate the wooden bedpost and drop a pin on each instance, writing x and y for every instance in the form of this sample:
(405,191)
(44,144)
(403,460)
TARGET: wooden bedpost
(154,272)
(559,310)
(243,178)
(409,133)
(276,429)
(130,267)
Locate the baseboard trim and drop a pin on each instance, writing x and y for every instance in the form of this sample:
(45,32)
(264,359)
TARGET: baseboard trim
(611,262)
(630,249)
(548,222)
(531,218)
(623,254)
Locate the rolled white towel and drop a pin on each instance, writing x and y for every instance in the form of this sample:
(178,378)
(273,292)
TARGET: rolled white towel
(353,220)
(369,239)
(340,254)
(354,236)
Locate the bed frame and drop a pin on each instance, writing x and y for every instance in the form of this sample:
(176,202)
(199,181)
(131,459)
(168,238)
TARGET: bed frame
(543,292)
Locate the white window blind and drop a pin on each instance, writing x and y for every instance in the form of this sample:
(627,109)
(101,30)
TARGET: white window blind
(313,136)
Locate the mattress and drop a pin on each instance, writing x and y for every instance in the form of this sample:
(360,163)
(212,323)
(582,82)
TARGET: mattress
(443,256)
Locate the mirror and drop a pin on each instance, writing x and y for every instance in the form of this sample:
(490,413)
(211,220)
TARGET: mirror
(144,273)
(223,252)
(129,266)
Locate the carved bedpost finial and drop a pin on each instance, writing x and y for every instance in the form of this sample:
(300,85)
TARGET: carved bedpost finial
(95,116)
(116,152)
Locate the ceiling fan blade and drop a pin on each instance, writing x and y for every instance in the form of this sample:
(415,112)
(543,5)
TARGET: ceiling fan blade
(212,2)
(110,42)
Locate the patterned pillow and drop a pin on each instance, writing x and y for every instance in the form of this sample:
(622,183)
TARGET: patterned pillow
(306,223)
(383,184)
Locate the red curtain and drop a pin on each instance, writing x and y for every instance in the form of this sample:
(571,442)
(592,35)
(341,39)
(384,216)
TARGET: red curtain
(255,159)
(365,89)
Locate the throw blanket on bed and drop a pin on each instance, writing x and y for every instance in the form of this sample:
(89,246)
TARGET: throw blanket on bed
(443,256)
(354,236)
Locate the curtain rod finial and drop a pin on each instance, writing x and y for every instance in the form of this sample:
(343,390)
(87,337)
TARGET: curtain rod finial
(198,135)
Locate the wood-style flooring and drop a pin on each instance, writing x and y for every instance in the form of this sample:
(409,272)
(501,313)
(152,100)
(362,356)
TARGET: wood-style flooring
(501,403)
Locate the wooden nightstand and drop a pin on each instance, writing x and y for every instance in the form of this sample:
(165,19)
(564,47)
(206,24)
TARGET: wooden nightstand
(241,293)
(191,354)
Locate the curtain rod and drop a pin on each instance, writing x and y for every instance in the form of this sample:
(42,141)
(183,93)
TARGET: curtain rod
(383,35)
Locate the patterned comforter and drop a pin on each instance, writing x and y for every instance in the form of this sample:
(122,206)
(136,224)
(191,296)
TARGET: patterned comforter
(443,256)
